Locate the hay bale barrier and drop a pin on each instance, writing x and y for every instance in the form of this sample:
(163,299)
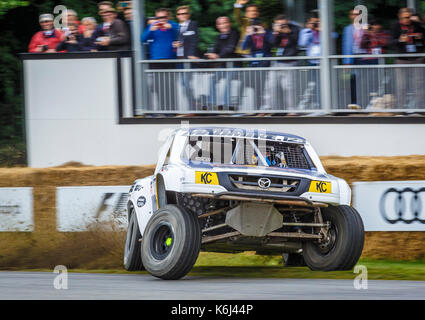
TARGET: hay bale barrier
(45,247)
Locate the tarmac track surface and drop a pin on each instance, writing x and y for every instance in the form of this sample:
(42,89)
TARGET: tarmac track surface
(87,286)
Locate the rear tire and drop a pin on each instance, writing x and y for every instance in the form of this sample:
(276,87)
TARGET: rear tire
(293,260)
(345,244)
(132,257)
(171,242)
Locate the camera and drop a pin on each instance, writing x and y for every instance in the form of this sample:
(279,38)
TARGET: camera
(256,25)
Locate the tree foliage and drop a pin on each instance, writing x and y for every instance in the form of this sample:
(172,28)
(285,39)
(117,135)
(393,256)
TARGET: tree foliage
(10,4)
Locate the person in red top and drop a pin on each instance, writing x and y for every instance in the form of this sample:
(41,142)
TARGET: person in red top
(48,38)
(374,41)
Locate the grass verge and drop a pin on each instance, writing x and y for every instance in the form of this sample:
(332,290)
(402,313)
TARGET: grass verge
(249,265)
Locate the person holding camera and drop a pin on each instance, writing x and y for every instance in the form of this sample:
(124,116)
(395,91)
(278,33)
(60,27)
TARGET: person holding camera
(250,19)
(72,40)
(256,41)
(310,39)
(48,38)
(280,83)
(374,41)
(161,34)
(284,39)
(408,37)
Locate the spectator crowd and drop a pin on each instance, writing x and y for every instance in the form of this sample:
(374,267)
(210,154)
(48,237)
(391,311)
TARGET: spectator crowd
(113,34)
(165,38)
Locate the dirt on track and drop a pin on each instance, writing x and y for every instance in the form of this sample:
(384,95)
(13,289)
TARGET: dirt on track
(99,249)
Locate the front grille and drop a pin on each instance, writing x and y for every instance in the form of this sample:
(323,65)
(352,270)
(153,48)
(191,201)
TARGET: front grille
(277,184)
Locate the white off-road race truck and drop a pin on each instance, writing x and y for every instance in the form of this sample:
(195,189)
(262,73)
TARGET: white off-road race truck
(234,190)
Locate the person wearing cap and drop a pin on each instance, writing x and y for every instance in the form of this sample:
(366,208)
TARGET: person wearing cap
(117,38)
(48,38)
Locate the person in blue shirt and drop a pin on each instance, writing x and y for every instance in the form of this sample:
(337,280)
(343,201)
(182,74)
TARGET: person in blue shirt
(161,34)
(351,42)
(351,38)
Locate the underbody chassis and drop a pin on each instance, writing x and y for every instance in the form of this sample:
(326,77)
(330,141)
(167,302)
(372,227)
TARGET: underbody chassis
(255,223)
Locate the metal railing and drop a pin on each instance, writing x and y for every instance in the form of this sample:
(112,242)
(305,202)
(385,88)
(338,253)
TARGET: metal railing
(380,83)
(375,83)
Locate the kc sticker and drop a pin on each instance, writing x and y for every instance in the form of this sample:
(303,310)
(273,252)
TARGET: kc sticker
(320,187)
(206,178)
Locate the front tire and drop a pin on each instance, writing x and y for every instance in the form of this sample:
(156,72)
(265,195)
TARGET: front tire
(132,257)
(344,245)
(171,242)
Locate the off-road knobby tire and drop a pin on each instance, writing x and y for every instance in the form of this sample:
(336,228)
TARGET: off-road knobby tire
(132,256)
(348,245)
(185,246)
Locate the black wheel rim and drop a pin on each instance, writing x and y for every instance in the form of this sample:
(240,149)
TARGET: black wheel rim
(330,241)
(162,240)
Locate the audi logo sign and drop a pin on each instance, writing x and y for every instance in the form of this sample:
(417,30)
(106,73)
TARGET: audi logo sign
(391,205)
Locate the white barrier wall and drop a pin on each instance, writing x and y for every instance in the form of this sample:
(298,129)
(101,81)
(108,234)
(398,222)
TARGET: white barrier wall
(16,209)
(72,115)
(78,208)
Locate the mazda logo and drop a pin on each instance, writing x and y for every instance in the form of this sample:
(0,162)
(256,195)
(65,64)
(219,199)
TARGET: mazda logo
(403,205)
(264,183)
